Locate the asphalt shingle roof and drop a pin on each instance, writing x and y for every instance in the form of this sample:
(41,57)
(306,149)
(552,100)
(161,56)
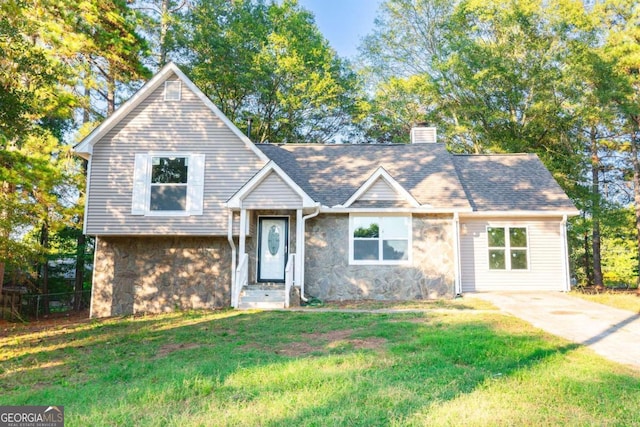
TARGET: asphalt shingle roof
(509,182)
(331,174)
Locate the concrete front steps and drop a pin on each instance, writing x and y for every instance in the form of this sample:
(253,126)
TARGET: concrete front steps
(266,296)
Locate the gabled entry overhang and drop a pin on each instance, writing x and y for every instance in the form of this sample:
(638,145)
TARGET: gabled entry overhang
(255,185)
(382,176)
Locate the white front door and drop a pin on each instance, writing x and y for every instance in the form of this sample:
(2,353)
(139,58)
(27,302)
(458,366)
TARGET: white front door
(272,248)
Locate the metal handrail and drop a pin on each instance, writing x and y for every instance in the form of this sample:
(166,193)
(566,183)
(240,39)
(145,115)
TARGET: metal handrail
(289,274)
(242,278)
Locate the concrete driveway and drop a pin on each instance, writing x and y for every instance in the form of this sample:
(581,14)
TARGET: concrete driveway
(610,332)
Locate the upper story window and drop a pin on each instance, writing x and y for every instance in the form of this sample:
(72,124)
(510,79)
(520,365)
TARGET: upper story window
(169,180)
(168,184)
(379,239)
(508,248)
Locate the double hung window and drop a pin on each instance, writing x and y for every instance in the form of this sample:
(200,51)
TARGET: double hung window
(379,239)
(168,184)
(169,181)
(508,248)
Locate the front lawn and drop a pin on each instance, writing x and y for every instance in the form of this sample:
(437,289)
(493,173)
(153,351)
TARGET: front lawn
(316,369)
(624,300)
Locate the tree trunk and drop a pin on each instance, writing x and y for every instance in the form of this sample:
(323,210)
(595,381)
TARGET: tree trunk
(79,274)
(44,286)
(5,188)
(636,187)
(587,258)
(111,93)
(81,241)
(164,28)
(595,210)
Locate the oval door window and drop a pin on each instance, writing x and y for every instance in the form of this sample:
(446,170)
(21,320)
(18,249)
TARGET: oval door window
(274,240)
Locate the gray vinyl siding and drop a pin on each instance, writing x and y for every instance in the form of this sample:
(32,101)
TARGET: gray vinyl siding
(380,190)
(186,126)
(544,255)
(272,193)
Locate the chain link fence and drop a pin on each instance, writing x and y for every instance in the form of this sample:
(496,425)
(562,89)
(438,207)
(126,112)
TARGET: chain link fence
(16,305)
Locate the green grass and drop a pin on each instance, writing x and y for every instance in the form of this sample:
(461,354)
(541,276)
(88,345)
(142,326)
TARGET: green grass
(315,369)
(624,300)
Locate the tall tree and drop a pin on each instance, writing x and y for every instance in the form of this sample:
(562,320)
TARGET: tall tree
(112,54)
(35,101)
(47,49)
(489,71)
(270,63)
(162,26)
(621,52)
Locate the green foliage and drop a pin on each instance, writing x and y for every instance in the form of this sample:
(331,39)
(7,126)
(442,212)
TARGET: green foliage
(33,185)
(618,240)
(488,74)
(163,22)
(270,63)
(373,231)
(48,50)
(619,251)
(30,77)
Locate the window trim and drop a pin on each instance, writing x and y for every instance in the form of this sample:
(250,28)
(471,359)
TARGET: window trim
(150,184)
(287,241)
(507,248)
(167,91)
(142,185)
(381,261)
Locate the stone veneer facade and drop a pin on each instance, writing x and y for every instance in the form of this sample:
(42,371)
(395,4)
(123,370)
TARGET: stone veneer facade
(328,275)
(160,274)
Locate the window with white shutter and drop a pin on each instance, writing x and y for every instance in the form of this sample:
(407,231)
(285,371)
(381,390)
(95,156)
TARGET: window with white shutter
(168,184)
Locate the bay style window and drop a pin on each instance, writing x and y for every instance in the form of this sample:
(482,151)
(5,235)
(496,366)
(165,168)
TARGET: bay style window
(379,239)
(168,184)
(508,248)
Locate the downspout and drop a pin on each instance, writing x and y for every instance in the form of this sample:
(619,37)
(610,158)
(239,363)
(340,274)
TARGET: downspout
(301,249)
(456,255)
(233,257)
(565,254)
(93,275)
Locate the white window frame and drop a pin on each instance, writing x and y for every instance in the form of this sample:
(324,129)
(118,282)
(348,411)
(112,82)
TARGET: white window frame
(141,196)
(381,238)
(151,184)
(257,249)
(507,248)
(168,91)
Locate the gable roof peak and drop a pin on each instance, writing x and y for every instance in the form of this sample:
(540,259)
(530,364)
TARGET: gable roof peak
(85,148)
(381,174)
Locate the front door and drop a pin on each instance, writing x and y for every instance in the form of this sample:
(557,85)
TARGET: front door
(272,248)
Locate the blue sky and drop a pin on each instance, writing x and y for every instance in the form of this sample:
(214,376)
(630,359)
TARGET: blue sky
(343,22)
